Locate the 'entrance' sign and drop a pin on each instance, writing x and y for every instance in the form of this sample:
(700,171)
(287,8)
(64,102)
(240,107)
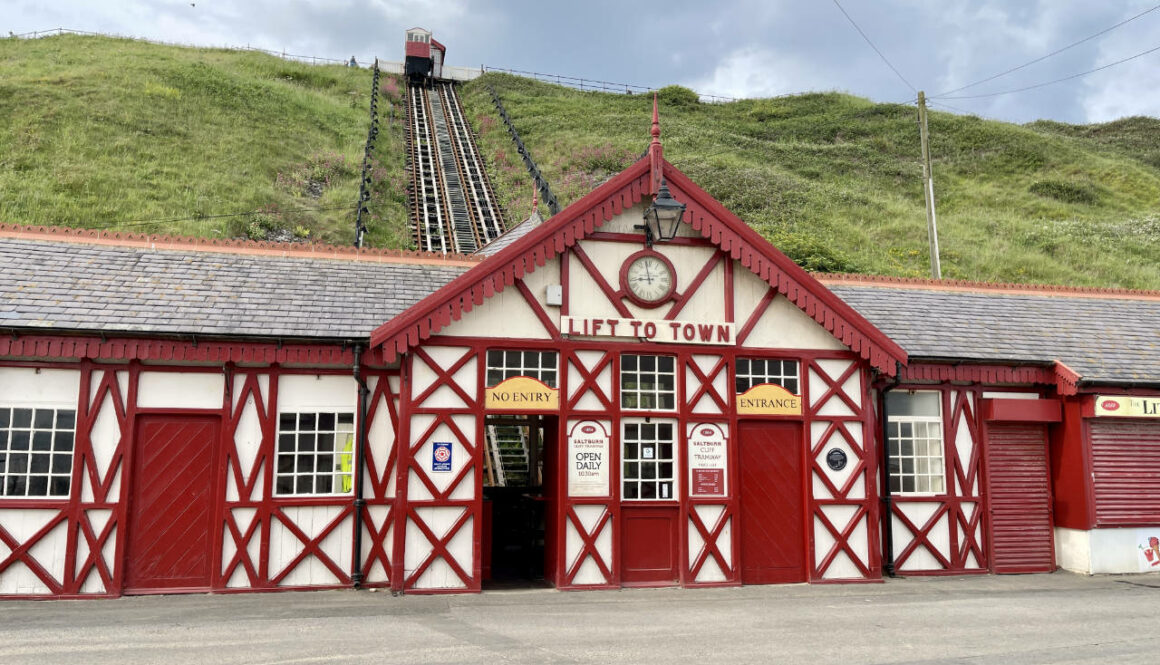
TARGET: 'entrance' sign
(588,459)
(768,399)
(707,460)
(672,332)
(521,393)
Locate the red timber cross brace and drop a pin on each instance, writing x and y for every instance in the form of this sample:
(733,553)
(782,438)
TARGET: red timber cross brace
(589,526)
(843,503)
(708,533)
(437,526)
(943,533)
(72,547)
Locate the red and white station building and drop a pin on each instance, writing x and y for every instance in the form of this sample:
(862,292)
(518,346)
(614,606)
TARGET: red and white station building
(213,417)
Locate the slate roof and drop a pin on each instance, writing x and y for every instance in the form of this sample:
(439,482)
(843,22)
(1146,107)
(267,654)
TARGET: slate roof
(1108,339)
(76,286)
(511,235)
(85,287)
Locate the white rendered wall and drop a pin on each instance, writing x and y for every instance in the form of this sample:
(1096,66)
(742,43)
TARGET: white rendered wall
(25,386)
(1103,551)
(1073,550)
(180,390)
(317,392)
(507,314)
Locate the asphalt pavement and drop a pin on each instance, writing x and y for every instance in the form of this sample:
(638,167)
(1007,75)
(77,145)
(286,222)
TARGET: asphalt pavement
(1014,620)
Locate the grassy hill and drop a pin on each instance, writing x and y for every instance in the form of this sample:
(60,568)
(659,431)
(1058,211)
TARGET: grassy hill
(110,133)
(834,180)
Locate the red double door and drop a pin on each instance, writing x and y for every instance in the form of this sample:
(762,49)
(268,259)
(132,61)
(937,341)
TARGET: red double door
(171,507)
(773,542)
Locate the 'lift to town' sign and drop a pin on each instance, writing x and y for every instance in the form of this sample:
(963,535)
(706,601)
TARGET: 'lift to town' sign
(672,332)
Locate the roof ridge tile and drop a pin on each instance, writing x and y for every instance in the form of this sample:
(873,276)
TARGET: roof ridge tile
(852,279)
(100,237)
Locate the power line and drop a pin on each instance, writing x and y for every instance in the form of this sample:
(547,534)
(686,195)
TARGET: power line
(1042,58)
(1059,80)
(892,68)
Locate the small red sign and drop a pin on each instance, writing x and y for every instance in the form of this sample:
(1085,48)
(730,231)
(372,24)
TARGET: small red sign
(709,481)
(588,429)
(1110,405)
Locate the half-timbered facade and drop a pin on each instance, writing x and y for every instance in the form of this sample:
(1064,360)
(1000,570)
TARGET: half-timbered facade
(697,412)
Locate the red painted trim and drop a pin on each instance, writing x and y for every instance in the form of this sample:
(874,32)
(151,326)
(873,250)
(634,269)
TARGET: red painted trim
(564,230)
(684,298)
(755,316)
(60,347)
(550,326)
(986,374)
(1023,410)
(614,297)
(636,239)
(1066,379)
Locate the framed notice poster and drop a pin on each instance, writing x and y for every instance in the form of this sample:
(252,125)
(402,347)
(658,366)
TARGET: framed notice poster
(588,458)
(708,460)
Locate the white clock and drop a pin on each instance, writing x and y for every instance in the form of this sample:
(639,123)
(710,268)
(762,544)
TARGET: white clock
(648,278)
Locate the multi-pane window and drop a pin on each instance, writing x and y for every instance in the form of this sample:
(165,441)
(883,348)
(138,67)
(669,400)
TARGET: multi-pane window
(540,365)
(315,453)
(914,443)
(648,382)
(647,460)
(756,371)
(36,451)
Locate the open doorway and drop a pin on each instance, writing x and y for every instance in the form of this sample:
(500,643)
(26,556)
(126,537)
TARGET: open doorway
(518,496)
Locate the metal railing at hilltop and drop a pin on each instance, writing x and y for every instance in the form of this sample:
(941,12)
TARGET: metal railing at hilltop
(391,67)
(312,59)
(595,85)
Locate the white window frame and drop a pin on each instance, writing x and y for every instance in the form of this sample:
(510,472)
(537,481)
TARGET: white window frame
(922,466)
(665,487)
(779,377)
(53,444)
(296,447)
(656,393)
(515,362)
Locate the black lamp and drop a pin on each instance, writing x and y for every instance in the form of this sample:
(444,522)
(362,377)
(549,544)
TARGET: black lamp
(663,217)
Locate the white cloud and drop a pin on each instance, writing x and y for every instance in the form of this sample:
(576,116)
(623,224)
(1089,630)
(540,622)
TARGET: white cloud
(1132,88)
(758,72)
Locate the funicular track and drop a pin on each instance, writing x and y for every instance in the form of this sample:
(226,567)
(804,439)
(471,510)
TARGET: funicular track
(453,207)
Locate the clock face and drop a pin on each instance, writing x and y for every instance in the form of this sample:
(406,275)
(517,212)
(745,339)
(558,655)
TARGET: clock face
(649,278)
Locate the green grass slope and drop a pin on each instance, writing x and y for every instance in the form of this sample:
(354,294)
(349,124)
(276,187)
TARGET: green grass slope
(834,180)
(111,133)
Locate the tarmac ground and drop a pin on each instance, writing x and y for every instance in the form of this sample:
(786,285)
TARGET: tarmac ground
(1014,620)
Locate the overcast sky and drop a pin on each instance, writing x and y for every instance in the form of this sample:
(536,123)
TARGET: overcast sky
(743,48)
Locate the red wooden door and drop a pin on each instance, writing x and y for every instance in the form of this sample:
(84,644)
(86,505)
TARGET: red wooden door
(170,534)
(773,544)
(649,549)
(1022,539)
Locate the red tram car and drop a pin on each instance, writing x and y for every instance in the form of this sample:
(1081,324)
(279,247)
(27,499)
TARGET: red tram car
(424,55)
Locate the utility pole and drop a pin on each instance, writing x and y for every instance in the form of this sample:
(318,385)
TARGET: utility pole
(928,188)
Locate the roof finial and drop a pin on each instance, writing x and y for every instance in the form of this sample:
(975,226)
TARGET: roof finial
(655,150)
(535,197)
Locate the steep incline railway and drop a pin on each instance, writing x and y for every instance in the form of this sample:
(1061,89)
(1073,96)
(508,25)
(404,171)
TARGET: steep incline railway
(453,207)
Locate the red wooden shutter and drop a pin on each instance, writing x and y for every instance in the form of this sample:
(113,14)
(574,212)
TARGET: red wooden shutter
(1126,473)
(1022,538)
